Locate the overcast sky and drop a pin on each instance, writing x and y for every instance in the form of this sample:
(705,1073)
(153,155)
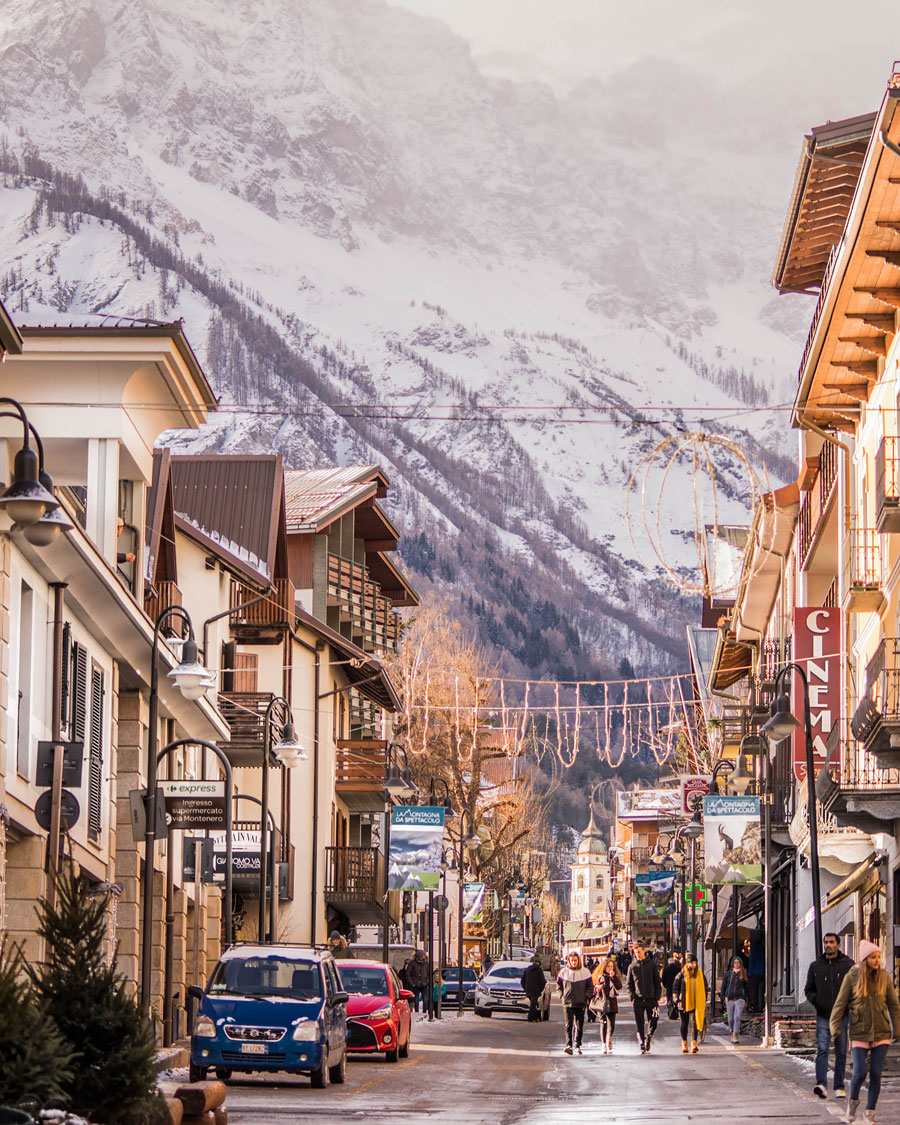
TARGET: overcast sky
(844,48)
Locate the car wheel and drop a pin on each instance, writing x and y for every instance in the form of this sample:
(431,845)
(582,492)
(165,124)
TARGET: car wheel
(196,1073)
(483,1012)
(392,1056)
(338,1074)
(403,1049)
(223,1073)
(320,1076)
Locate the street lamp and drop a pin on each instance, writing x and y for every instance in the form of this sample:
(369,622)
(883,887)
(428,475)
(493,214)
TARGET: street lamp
(397,783)
(724,765)
(448,812)
(26,499)
(471,842)
(192,680)
(54,520)
(290,753)
(781,725)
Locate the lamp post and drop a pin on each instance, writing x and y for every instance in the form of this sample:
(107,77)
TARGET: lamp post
(467,840)
(290,753)
(26,500)
(448,812)
(192,680)
(397,783)
(692,830)
(781,725)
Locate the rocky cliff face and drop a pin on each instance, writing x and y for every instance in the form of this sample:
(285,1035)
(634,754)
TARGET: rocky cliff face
(504,296)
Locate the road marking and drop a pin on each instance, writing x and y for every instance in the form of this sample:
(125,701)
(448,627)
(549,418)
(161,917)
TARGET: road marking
(444,1049)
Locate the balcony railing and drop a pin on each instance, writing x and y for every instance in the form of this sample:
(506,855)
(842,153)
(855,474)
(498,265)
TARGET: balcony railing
(360,764)
(775,655)
(354,876)
(876,721)
(245,713)
(373,624)
(887,485)
(162,596)
(816,501)
(275,611)
(864,583)
(640,855)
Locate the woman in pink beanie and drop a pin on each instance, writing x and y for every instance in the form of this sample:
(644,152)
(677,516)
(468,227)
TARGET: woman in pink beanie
(869,994)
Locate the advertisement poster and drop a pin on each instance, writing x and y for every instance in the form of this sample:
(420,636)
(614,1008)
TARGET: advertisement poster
(194,804)
(694,787)
(417,837)
(647,804)
(817,649)
(731,840)
(655,892)
(473,902)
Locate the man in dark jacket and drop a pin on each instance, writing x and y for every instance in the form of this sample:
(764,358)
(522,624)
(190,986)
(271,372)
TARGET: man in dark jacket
(418,979)
(645,988)
(823,983)
(534,982)
(669,973)
(624,959)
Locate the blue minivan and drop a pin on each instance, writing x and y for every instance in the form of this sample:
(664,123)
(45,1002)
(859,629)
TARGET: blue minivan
(269,1008)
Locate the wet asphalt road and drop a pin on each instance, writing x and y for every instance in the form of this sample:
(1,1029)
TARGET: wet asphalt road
(505,1070)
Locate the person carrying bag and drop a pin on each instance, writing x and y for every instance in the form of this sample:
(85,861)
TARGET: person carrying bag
(607,983)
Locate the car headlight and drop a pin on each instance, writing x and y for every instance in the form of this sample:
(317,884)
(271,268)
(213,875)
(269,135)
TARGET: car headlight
(306,1031)
(483,989)
(381,1014)
(204,1028)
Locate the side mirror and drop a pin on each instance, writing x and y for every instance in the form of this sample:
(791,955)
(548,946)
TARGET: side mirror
(339,998)
(195,990)
(405,994)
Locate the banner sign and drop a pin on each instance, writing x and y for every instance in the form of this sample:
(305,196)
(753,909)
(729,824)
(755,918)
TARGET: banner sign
(245,848)
(694,787)
(194,804)
(473,902)
(731,840)
(655,894)
(647,804)
(417,837)
(817,648)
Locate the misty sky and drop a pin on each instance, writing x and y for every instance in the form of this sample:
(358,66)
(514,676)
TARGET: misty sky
(818,51)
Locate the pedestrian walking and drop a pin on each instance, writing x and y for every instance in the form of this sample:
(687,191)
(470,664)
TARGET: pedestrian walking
(607,982)
(338,947)
(575,984)
(644,989)
(823,983)
(418,979)
(868,994)
(756,970)
(438,992)
(669,973)
(734,998)
(403,975)
(689,993)
(624,959)
(534,982)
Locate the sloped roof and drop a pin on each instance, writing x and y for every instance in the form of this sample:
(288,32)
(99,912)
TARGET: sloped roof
(592,842)
(826,179)
(365,672)
(314,498)
(234,506)
(159,539)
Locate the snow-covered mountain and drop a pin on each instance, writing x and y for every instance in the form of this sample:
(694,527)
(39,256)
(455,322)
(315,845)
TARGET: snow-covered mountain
(503,296)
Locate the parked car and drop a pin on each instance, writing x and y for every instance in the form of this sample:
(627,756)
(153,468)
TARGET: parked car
(451,979)
(500,990)
(268,1008)
(378,1015)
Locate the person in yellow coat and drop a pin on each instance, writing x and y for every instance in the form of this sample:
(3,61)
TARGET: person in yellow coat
(689,993)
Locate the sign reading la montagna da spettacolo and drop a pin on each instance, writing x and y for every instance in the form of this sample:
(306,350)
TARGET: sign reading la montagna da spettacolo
(417,837)
(731,840)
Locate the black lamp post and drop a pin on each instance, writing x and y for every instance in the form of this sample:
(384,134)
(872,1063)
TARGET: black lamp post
(26,500)
(397,783)
(467,840)
(433,783)
(290,753)
(781,725)
(691,831)
(193,680)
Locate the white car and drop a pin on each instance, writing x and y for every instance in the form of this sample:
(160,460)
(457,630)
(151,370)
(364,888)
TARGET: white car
(500,990)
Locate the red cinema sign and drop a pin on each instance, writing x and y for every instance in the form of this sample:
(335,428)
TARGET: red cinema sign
(817,649)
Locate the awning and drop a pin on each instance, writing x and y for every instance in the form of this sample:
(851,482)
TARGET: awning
(750,901)
(858,880)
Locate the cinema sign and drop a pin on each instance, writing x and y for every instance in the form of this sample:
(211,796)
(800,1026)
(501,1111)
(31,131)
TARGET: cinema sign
(817,649)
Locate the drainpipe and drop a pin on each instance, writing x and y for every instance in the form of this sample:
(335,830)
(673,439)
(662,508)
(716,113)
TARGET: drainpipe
(56,734)
(316,650)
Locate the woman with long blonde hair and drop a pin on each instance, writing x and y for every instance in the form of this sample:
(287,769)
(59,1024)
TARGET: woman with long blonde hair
(868,992)
(607,982)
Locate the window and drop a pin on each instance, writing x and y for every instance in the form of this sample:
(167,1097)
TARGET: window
(600,882)
(581,882)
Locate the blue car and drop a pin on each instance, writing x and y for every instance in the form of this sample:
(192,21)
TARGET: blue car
(268,1008)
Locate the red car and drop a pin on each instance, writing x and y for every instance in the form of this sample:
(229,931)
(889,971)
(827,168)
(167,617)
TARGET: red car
(378,1016)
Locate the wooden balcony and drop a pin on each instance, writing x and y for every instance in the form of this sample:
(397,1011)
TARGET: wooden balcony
(864,585)
(261,621)
(161,597)
(887,485)
(245,713)
(817,500)
(360,766)
(355,882)
(370,621)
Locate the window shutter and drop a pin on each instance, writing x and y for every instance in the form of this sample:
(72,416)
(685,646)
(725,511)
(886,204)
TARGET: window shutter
(79,692)
(64,687)
(95,778)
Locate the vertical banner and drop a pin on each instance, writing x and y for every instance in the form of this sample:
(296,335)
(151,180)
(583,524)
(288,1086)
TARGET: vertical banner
(817,649)
(417,837)
(655,893)
(473,902)
(731,840)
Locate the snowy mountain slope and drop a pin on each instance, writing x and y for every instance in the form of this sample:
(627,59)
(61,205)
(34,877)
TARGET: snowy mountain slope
(490,291)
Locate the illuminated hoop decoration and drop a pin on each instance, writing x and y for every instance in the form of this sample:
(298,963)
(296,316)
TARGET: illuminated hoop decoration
(699,449)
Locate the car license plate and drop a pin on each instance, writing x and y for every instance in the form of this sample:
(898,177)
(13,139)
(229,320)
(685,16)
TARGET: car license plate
(253,1048)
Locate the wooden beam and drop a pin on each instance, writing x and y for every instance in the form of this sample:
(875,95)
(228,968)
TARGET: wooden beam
(874,344)
(375,545)
(888,224)
(885,296)
(882,322)
(867,367)
(857,391)
(892,257)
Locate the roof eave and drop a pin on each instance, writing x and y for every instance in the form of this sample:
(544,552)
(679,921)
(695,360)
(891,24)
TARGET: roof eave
(10,337)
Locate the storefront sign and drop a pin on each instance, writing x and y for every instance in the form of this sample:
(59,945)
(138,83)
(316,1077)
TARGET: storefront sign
(245,851)
(817,649)
(694,787)
(731,840)
(417,837)
(194,804)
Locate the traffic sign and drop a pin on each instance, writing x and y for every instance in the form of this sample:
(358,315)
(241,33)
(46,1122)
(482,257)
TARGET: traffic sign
(73,756)
(69,810)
